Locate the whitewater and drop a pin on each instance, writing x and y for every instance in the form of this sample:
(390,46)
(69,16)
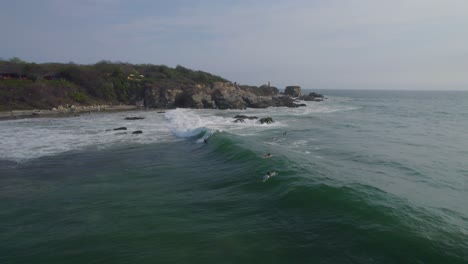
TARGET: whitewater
(25,139)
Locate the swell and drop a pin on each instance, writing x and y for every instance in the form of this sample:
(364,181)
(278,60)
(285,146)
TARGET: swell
(208,198)
(310,207)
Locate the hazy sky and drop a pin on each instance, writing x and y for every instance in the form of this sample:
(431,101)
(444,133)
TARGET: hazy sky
(360,44)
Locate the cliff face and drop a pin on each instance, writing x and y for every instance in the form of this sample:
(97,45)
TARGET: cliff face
(219,95)
(294,91)
(45,86)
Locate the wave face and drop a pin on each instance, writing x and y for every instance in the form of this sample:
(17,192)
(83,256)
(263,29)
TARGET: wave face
(365,177)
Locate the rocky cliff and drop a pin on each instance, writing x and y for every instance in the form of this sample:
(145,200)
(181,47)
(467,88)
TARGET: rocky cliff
(219,95)
(294,91)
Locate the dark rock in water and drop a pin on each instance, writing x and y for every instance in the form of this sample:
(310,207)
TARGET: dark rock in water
(312,97)
(301,105)
(294,91)
(241,118)
(134,118)
(120,128)
(245,117)
(137,132)
(267,120)
(315,94)
(161,112)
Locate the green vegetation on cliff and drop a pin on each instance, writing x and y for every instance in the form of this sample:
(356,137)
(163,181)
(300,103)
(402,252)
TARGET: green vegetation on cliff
(29,85)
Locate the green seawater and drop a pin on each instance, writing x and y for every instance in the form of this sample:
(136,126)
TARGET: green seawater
(364,177)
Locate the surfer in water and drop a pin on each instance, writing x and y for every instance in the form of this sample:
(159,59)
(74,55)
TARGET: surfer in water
(267,155)
(266,176)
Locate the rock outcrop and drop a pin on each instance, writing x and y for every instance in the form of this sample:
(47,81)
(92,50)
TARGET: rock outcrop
(267,120)
(312,97)
(294,91)
(227,95)
(263,120)
(245,117)
(241,118)
(219,95)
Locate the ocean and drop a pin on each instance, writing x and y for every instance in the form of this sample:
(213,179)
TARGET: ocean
(363,177)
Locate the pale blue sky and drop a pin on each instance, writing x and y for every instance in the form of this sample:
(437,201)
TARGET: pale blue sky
(360,44)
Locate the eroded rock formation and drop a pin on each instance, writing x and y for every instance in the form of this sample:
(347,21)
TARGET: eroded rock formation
(294,91)
(219,95)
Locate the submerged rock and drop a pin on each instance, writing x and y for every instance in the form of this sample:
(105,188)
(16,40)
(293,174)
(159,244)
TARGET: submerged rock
(267,120)
(120,128)
(312,97)
(137,132)
(245,117)
(134,118)
(241,118)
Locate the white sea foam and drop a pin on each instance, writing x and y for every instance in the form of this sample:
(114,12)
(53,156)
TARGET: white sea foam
(190,122)
(185,123)
(299,143)
(33,138)
(331,105)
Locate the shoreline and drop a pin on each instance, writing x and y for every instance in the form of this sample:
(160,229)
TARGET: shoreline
(65,111)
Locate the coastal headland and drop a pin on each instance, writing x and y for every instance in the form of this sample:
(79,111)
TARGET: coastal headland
(55,89)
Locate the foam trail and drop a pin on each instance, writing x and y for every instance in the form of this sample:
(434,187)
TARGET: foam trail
(33,138)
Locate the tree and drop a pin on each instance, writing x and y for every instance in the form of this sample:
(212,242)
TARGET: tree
(31,71)
(16,60)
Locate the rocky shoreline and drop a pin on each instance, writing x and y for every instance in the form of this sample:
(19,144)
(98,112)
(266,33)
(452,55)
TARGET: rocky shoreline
(224,95)
(64,111)
(219,95)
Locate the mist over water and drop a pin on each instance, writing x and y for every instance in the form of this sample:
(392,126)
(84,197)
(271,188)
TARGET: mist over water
(363,177)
